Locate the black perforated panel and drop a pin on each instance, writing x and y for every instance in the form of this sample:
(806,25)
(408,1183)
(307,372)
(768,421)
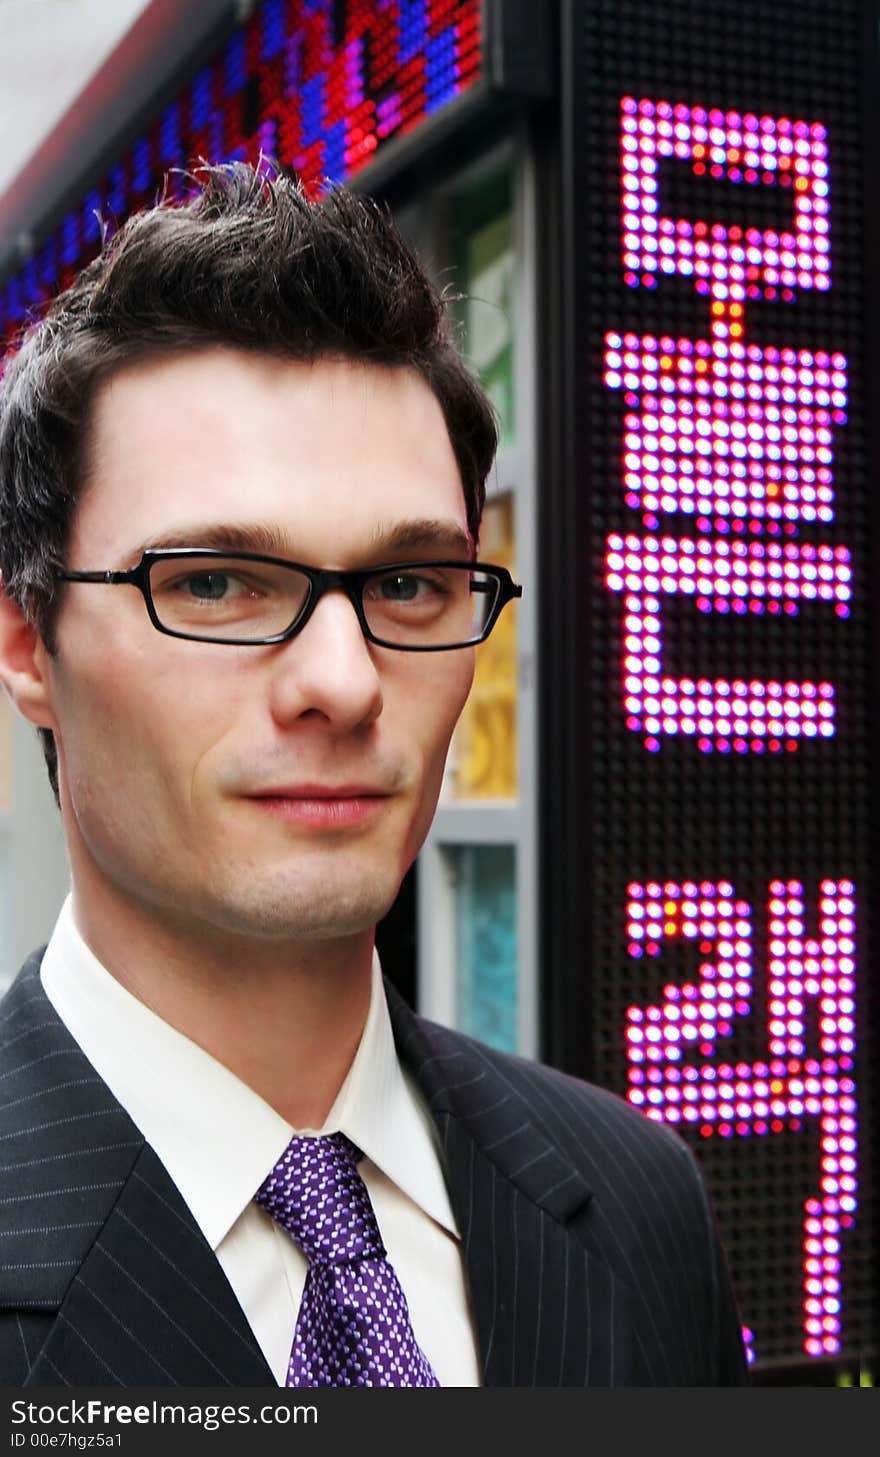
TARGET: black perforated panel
(717,203)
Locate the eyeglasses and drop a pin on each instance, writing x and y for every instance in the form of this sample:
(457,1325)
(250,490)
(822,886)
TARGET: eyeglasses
(247,600)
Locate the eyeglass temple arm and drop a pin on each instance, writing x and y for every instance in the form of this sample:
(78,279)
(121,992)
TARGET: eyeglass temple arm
(514,589)
(128,576)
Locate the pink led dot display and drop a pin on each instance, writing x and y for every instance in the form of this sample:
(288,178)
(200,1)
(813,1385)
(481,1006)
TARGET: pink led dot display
(727,432)
(733,262)
(719,575)
(736,437)
(810,1059)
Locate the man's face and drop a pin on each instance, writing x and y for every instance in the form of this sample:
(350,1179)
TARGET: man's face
(192,774)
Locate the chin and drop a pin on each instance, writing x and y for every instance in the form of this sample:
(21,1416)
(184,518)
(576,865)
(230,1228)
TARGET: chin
(315,907)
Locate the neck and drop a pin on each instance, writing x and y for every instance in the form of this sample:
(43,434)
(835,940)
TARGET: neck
(285,1017)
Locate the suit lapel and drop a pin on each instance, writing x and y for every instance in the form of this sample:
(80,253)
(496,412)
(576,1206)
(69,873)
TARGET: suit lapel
(548,1311)
(150,1304)
(137,1293)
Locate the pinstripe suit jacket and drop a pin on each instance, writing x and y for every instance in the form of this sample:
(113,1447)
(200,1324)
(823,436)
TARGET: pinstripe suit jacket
(591,1251)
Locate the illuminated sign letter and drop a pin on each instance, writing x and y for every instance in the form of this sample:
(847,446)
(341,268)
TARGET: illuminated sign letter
(736,437)
(796,1081)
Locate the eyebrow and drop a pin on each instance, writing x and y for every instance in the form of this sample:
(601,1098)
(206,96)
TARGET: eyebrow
(437,537)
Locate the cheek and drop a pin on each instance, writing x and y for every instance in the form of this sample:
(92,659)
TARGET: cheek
(116,764)
(431,709)
(464,680)
(127,738)
(434,712)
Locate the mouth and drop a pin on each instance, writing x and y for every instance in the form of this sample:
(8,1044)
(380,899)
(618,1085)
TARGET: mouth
(321,806)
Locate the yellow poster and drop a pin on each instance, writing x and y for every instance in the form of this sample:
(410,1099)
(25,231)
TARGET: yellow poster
(484,749)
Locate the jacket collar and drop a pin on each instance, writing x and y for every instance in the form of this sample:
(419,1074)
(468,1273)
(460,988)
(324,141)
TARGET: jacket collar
(465,1082)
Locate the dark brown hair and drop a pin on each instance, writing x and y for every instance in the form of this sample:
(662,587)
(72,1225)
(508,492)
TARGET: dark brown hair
(248,261)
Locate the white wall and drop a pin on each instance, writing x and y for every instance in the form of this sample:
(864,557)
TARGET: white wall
(37,871)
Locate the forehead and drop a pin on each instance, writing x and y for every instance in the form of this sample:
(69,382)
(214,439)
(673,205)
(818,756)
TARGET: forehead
(319,452)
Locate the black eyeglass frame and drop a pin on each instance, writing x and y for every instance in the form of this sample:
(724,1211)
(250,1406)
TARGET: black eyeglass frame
(352,583)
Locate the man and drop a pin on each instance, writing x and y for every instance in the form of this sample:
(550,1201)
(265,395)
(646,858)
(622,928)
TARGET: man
(241,474)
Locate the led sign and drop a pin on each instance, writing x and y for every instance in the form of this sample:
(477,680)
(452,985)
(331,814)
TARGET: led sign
(739,1022)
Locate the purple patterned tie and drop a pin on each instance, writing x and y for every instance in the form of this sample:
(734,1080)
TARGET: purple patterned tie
(353,1327)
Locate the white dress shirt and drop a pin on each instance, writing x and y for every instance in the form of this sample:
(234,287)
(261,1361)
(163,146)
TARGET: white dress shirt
(218,1140)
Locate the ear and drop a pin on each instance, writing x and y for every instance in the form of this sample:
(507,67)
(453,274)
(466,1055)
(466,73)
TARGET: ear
(24,665)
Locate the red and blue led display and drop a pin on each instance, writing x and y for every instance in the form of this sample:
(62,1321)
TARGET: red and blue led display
(317,85)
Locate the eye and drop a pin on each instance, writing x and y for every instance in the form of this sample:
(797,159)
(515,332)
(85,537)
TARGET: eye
(213,586)
(207,586)
(404,587)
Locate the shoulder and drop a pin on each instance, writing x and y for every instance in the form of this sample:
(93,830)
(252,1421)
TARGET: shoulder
(594,1129)
(25,1012)
(577,1109)
(648,1217)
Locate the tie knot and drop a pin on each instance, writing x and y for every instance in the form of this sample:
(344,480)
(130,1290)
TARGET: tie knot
(316,1193)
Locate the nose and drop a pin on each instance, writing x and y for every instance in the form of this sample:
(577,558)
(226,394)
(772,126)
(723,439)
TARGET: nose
(328,669)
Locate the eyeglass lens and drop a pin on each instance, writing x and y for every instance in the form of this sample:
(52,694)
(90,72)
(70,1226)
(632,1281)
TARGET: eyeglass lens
(419,605)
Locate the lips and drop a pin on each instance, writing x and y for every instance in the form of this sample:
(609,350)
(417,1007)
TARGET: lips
(320,791)
(321,806)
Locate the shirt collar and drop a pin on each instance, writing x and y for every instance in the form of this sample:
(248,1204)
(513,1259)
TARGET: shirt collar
(217,1138)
